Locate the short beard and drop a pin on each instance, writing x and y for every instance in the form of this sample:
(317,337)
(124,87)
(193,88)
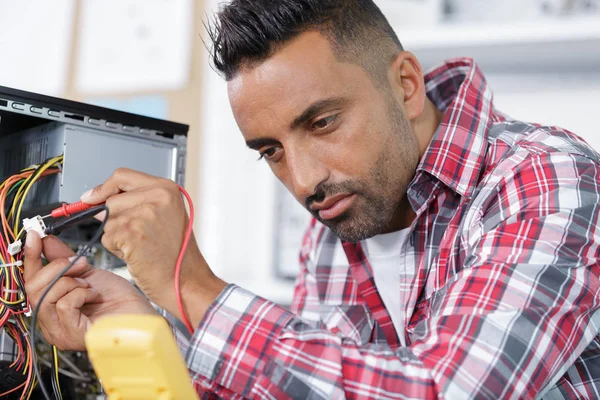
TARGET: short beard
(382,196)
(352,226)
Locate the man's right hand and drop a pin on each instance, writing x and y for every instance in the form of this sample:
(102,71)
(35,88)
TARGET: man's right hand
(81,297)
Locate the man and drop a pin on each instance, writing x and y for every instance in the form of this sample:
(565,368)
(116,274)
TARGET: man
(453,252)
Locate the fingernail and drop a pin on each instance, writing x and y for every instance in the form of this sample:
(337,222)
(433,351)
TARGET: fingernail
(81,260)
(100,216)
(29,240)
(86,195)
(81,280)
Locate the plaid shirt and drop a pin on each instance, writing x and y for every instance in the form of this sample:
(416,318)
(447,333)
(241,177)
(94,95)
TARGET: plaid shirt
(502,300)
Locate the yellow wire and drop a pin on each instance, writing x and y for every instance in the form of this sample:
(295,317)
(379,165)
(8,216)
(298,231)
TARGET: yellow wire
(55,358)
(43,168)
(34,383)
(22,191)
(19,192)
(16,209)
(20,316)
(16,199)
(19,301)
(40,171)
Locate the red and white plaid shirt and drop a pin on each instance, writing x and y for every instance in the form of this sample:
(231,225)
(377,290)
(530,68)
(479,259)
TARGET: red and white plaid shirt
(503,300)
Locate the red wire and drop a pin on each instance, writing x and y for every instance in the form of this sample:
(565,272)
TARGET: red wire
(30,369)
(13,389)
(188,235)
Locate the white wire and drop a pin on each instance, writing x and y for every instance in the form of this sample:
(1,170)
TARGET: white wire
(70,363)
(65,372)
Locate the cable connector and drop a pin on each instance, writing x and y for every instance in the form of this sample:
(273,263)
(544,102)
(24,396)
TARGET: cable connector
(35,224)
(15,248)
(15,264)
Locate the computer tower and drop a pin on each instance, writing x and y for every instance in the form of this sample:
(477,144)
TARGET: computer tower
(94,142)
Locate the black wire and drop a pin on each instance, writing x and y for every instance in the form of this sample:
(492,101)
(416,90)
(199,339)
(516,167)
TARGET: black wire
(57,227)
(34,317)
(21,286)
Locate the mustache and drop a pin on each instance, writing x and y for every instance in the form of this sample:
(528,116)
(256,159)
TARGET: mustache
(324,190)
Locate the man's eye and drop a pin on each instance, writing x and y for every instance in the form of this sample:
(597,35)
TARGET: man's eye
(324,123)
(268,153)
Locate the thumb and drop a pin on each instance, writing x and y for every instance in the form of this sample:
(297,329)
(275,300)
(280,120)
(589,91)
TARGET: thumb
(54,248)
(33,255)
(122,180)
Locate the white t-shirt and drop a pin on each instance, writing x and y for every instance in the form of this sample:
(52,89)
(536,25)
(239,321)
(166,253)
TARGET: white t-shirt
(384,254)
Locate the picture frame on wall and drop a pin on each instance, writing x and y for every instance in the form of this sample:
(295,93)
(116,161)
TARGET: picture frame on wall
(291,221)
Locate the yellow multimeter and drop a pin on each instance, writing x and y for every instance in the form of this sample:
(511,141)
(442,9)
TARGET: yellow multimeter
(136,357)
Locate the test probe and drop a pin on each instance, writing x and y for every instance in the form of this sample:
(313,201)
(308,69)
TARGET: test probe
(72,213)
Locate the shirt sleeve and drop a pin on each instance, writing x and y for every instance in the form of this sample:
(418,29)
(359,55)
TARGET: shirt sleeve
(508,323)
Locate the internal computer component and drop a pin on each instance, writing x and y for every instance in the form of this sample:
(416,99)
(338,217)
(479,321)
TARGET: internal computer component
(51,151)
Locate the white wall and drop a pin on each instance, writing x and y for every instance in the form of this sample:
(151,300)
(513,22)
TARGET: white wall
(569,101)
(236,219)
(235,225)
(35,40)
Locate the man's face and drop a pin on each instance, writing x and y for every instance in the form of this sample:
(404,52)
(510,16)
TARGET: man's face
(341,145)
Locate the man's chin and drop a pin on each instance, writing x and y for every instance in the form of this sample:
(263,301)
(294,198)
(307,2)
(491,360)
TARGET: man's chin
(347,229)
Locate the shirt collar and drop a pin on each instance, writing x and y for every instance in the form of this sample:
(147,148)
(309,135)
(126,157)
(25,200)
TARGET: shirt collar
(456,153)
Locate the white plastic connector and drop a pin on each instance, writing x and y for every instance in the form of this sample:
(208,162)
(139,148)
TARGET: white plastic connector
(35,224)
(15,264)
(15,248)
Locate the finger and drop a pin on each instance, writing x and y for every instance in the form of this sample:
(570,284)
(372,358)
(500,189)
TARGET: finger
(68,309)
(122,180)
(111,229)
(125,201)
(44,276)
(63,286)
(33,255)
(54,248)
(165,195)
(60,289)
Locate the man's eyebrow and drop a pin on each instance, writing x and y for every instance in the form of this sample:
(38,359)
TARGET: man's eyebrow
(312,111)
(315,109)
(257,144)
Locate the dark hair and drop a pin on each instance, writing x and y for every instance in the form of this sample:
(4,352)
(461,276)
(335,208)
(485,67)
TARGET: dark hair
(247,32)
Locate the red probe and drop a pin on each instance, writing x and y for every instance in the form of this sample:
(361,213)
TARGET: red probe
(66,210)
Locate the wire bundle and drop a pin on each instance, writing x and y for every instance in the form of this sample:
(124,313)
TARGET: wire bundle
(13,299)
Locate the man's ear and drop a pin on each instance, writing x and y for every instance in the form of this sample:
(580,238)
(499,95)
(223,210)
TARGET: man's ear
(409,84)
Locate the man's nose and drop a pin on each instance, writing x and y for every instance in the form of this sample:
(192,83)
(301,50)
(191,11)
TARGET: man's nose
(307,172)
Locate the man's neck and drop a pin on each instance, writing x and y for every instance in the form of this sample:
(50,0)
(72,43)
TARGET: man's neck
(425,126)
(405,217)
